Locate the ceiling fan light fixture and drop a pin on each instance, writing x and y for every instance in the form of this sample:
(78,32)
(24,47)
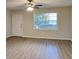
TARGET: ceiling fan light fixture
(30,9)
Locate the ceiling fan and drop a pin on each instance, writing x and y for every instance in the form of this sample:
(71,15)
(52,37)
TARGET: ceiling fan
(30,6)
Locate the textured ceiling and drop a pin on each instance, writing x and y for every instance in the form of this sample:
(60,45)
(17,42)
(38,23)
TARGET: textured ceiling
(18,4)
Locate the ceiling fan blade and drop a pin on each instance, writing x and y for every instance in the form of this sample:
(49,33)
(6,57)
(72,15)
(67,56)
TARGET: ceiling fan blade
(30,0)
(38,5)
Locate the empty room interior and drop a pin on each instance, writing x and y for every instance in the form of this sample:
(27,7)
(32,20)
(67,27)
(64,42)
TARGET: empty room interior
(38,29)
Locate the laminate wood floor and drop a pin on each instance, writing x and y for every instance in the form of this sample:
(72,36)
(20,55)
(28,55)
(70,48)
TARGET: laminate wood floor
(28,48)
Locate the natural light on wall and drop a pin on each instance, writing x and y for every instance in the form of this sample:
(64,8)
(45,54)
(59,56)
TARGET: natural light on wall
(45,21)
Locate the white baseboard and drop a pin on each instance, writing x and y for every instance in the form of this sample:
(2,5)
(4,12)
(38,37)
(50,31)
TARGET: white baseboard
(43,37)
(8,36)
(48,38)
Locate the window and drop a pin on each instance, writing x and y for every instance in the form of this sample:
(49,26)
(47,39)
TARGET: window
(45,21)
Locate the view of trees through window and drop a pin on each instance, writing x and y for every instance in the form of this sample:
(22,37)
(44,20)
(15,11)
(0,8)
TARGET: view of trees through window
(45,21)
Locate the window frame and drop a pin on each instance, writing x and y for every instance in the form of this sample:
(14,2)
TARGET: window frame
(45,28)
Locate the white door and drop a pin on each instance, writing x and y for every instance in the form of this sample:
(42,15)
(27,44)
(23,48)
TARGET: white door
(17,24)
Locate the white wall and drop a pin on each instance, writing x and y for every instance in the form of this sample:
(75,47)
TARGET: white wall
(8,23)
(63,32)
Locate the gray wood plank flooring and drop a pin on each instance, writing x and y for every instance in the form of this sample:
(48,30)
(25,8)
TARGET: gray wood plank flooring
(28,48)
